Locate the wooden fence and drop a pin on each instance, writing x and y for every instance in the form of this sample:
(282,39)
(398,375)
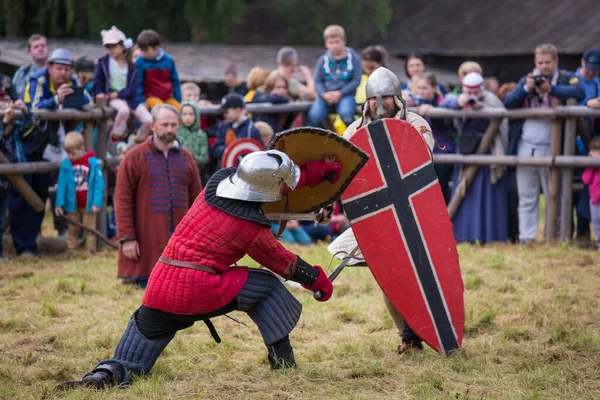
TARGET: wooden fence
(566,125)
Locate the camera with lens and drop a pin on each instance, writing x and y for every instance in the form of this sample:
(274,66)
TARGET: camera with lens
(539,80)
(472,101)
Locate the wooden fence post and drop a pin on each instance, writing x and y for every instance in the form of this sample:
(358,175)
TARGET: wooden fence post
(102,135)
(554,180)
(566,204)
(88,135)
(23,187)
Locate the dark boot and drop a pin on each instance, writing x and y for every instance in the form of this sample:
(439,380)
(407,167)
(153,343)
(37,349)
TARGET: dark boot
(281,354)
(101,377)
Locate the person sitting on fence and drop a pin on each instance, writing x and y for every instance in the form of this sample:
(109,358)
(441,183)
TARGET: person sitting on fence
(591,177)
(11,131)
(116,80)
(483,214)
(37,46)
(276,90)
(80,191)
(443,131)
(236,125)
(190,135)
(158,81)
(531,137)
(287,64)
(337,75)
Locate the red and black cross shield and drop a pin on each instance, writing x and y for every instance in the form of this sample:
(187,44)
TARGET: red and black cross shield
(397,211)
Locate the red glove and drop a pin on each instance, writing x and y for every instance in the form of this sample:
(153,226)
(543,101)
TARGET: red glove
(322,284)
(315,172)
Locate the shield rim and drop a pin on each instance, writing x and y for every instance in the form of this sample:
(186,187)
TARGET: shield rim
(364,157)
(235,144)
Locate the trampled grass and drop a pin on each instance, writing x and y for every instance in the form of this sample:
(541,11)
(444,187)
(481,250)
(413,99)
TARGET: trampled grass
(532,332)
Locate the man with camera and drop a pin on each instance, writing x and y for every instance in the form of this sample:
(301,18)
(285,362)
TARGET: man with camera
(54,87)
(531,137)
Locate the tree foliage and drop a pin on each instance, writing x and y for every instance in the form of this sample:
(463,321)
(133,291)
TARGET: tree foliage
(223,21)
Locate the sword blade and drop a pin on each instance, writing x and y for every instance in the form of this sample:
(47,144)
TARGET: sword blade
(317,295)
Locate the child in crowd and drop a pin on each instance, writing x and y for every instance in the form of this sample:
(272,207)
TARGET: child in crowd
(135,53)
(337,75)
(191,91)
(11,131)
(158,82)
(266,132)
(275,92)
(372,58)
(84,68)
(80,189)
(255,81)
(591,177)
(116,80)
(190,135)
(236,125)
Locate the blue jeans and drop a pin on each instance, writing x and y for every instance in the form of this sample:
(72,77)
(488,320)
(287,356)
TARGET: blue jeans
(320,108)
(25,223)
(297,236)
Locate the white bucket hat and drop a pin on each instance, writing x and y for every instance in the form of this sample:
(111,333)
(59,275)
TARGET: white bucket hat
(115,36)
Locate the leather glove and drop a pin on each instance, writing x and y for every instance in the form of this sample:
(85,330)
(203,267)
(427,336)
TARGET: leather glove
(322,284)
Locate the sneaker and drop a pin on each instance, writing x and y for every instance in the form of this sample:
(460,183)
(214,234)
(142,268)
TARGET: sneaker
(28,256)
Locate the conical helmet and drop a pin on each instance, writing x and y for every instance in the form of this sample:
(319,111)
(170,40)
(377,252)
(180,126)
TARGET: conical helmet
(382,83)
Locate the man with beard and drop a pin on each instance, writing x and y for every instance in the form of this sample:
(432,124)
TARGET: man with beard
(384,100)
(157,183)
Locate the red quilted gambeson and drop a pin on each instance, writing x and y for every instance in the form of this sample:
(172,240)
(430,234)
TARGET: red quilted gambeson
(208,236)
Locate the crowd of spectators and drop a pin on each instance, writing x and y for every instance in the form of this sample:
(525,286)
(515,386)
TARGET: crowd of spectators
(134,79)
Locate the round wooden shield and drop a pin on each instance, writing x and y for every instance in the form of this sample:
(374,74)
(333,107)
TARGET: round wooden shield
(237,150)
(309,144)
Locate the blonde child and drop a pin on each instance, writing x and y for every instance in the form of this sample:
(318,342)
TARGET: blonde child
(80,191)
(116,79)
(337,75)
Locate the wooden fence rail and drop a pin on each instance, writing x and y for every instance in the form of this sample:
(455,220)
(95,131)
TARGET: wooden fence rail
(561,166)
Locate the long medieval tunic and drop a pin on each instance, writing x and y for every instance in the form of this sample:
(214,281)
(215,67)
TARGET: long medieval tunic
(152,195)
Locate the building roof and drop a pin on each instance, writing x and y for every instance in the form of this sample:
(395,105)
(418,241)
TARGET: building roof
(199,62)
(494,28)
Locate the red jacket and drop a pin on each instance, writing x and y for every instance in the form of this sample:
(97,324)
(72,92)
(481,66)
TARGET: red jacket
(214,238)
(591,177)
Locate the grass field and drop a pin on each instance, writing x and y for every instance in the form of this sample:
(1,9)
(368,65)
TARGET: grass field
(532,332)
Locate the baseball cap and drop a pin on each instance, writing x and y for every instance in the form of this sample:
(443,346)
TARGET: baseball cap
(591,59)
(232,100)
(61,56)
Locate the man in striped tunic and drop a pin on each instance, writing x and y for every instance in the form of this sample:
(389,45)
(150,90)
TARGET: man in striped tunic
(156,184)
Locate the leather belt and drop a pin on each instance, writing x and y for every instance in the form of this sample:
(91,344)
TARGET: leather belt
(185,264)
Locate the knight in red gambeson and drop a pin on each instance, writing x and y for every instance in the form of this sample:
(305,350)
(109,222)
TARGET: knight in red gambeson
(194,279)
